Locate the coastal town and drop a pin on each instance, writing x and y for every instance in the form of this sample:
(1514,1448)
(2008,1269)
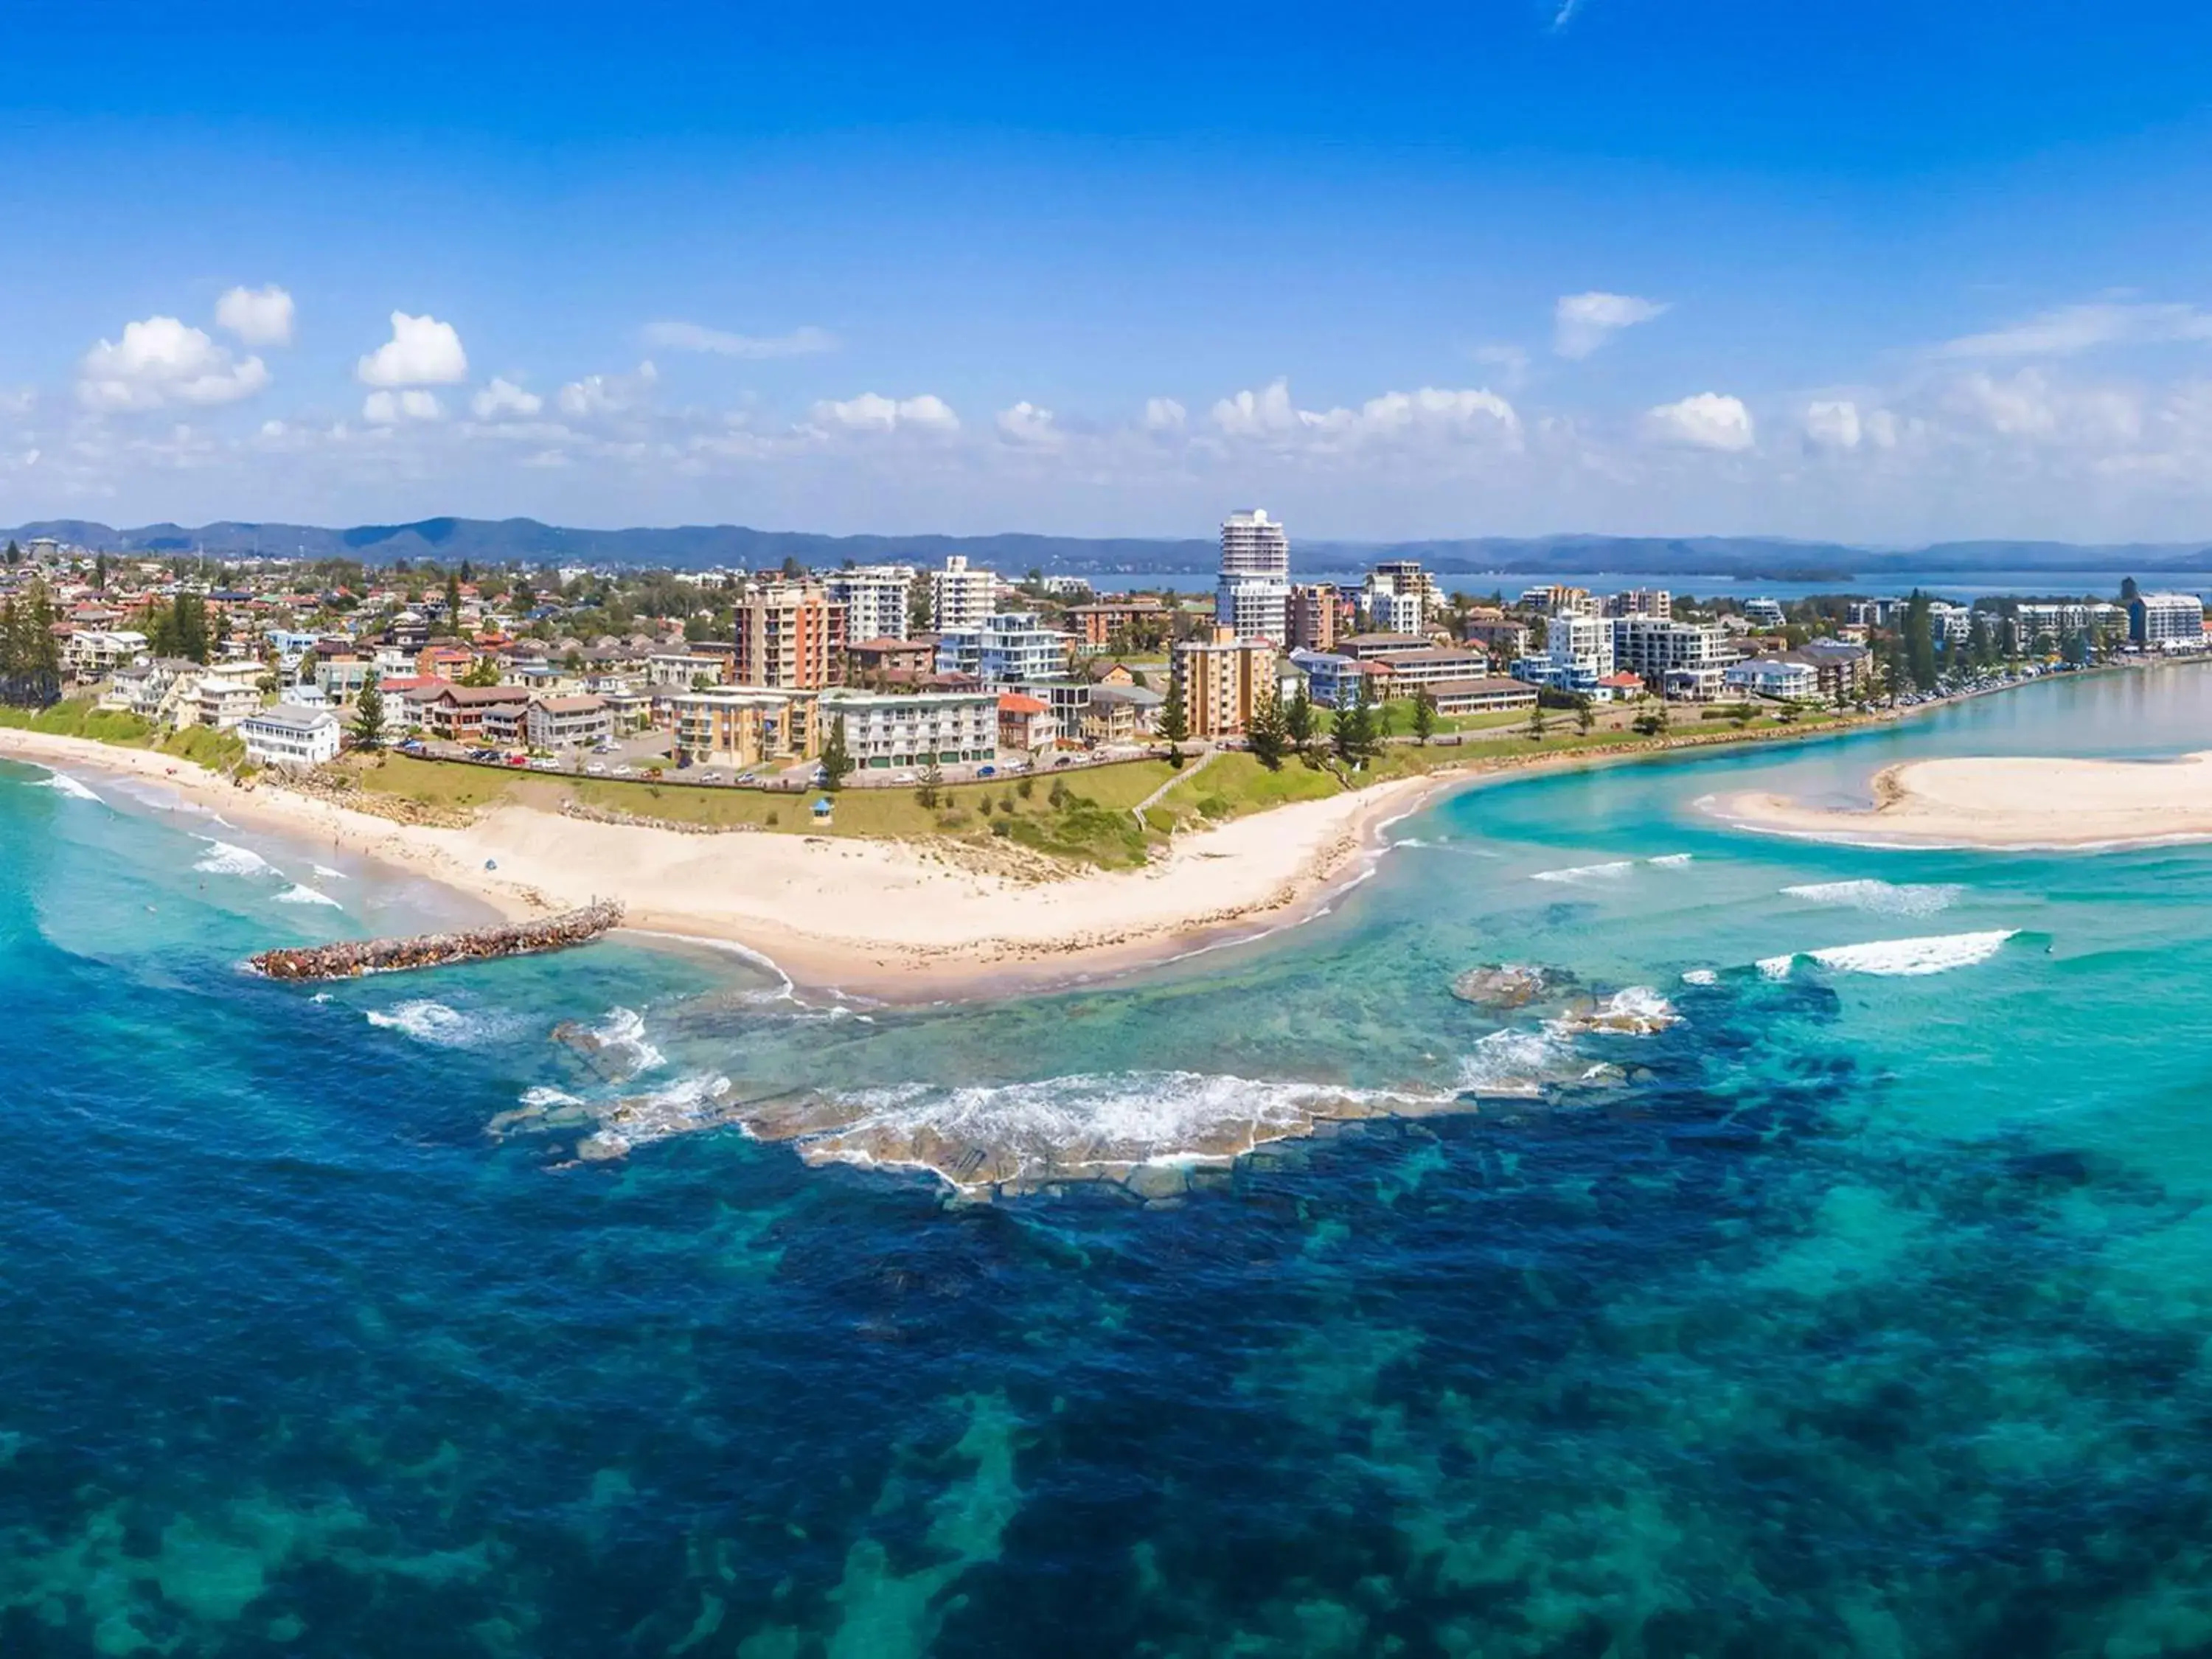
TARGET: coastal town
(925,677)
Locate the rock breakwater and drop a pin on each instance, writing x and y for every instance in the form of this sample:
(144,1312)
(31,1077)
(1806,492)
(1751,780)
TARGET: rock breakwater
(350,958)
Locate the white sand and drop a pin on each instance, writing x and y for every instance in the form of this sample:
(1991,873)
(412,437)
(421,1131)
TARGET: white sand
(886,917)
(2000,803)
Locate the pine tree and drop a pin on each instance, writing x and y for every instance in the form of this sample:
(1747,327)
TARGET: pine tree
(14,553)
(1425,716)
(453,600)
(1298,718)
(368,715)
(100,572)
(1264,734)
(1920,642)
(836,762)
(1175,719)
(1585,718)
(1353,735)
(1536,720)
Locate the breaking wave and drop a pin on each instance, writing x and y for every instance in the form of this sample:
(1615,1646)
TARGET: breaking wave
(326,873)
(1517,1063)
(1882,898)
(224,859)
(623,1034)
(62,784)
(1672,860)
(1898,958)
(1580,872)
(1701,976)
(297,894)
(441,1027)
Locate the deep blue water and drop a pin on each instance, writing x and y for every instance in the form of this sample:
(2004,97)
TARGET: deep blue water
(1868,1316)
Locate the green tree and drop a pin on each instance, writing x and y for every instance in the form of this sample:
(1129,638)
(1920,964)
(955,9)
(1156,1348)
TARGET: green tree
(1175,719)
(933,778)
(483,671)
(1536,723)
(1979,650)
(1425,715)
(1354,734)
(368,715)
(1585,716)
(14,553)
(1298,718)
(100,572)
(1920,642)
(453,599)
(1264,734)
(836,760)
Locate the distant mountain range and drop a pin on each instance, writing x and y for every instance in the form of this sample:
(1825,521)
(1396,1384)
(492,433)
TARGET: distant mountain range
(504,541)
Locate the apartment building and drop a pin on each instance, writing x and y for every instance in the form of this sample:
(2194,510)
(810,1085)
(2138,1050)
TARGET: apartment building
(1223,679)
(788,636)
(875,597)
(1652,647)
(915,728)
(961,598)
(1096,624)
(290,736)
(1398,596)
(568,722)
(741,727)
(1313,617)
(2166,622)
(1006,650)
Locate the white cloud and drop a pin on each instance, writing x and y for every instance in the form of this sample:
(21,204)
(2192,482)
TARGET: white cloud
(1707,420)
(2030,405)
(391,408)
(1581,323)
(1834,424)
(871,412)
(1164,415)
(694,337)
(160,360)
(503,397)
(2071,329)
(422,351)
(258,316)
(607,394)
(1270,413)
(1025,423)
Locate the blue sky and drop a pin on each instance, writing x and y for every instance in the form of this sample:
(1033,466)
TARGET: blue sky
(1880,272)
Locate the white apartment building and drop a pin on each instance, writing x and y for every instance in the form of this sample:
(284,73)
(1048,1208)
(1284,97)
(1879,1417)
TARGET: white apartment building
(1398,596)
(2166,622)
(1253,607)
(2033,620)
(1007,649)
(1653,647)
(225,695)
(568,722)
(1581,647)
(958,596)
(1253,597)
(1763,613)
(875,600)
(887,729)
(92,652)
(289,735)
(1774,677)
(1252,545)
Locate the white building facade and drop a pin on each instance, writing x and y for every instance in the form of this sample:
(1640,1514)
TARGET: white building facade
(959,597)
(287,735)
(875,597)
(1253,597)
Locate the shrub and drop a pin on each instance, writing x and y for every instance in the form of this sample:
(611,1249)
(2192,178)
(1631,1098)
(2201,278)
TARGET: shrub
(772,819)
(1213,806)
(1026,787)
(1002,829)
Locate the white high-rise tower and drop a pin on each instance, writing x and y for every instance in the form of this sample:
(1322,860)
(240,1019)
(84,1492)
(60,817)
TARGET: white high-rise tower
(1254,597)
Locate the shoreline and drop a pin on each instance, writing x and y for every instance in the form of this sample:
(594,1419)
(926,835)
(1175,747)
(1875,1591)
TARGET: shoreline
(893,921)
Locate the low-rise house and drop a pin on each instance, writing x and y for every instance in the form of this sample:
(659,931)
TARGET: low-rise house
(1488,695)
(568,722)
(1333,680)
(93,653)
(226,694)
(884,661)
(1025,723)
(1120,714)
(456,713)
(503,726)
(682,670)
(289,735)
(1405,673)
(1843,671)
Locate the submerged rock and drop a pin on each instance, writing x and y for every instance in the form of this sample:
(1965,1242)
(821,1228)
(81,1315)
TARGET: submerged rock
(1636,1012)
(1502,985)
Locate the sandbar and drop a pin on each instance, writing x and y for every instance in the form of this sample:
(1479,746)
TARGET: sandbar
(2005,802)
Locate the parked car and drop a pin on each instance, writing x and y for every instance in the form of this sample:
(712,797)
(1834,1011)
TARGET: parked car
(987,771)
(621,771)
(595,769)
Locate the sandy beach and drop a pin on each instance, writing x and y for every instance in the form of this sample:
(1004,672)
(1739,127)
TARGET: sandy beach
(887,919)
(1999,803)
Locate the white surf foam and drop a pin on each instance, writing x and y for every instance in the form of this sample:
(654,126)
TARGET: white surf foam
(1906,957)
(225,860)
(1898,958)
(623,1033)
(1672,860)
(326,873)
(296,894)
(1880,898)
(439,1026)
(62,784)
(1512,1062)
(1701,976)
(542,1098)
(1582,872)
(1092,1119)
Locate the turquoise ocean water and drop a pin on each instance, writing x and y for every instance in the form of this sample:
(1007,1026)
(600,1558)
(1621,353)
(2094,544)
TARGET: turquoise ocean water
(1869,1316)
